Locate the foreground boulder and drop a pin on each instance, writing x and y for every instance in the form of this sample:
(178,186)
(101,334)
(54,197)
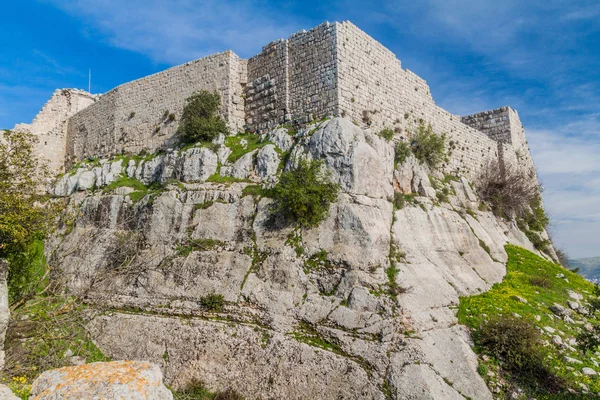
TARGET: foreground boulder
(6,393)
(134,380)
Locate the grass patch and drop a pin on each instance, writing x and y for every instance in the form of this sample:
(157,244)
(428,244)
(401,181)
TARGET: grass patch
(525,271)
(40,334)
(317,261)
(306,333)
(198,245)
(253,142)
(198,391)
(140,190)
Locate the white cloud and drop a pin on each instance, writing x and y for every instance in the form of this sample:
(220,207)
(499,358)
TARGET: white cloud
(569,168)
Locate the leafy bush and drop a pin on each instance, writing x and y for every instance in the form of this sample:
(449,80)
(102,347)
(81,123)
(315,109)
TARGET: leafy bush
(387,134)
(517,342)
(25,215)
(200,119)
(428,147)
(402,151)
(212,302)
(305,193)
(508,191)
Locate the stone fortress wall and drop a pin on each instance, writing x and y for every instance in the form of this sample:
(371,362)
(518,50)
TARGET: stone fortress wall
(135,115)
(50,124)
(334,69)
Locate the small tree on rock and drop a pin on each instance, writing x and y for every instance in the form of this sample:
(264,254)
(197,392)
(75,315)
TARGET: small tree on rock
(25,216)
(305,193)
(200,119)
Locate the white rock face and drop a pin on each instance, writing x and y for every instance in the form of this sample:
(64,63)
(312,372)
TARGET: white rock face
(7,394)
(361,162)
(281,138)
(198,164)
(307,312)
(135,380)
(267,162)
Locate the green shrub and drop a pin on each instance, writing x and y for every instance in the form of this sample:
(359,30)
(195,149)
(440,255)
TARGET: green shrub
(402,151)
(399,201)
(387,134)
(26,270)
(589,340)
(305,193)
(428,147)
(541,281)
(198,391)
(517,342)
(538,242)
(536,219)
(212,302)
(200,119)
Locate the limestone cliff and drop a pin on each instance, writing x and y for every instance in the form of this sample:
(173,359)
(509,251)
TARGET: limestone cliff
(362,306)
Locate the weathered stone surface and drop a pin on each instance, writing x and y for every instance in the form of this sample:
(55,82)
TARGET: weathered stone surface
(281,138)
(198,164)
(267,162)
(360,167)
(135,380)
(559,310)
(223,356)
(7,394)
(282,284)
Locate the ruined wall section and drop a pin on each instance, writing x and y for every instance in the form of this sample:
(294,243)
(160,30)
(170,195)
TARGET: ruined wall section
(375,90)
(313,78)
(135,115)
(494,123)
(267,89)
(504,126)
(50,124)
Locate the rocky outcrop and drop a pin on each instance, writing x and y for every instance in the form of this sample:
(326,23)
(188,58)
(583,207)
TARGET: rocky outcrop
(7,394)
(135,380)
(361,306)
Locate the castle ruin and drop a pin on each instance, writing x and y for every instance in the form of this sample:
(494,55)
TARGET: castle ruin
(334,69)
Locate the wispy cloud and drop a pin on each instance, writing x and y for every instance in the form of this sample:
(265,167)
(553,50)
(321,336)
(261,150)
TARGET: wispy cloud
(180,30)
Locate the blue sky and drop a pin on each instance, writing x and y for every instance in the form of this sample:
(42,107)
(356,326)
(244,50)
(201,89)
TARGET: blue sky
(540,57)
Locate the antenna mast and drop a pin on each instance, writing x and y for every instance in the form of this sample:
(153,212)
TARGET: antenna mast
(90,81)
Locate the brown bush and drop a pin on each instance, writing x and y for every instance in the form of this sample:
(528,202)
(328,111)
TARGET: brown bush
(509,191)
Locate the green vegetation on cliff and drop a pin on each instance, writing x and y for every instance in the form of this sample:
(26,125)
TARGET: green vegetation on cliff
(528,330)
(304,194)
(200,119)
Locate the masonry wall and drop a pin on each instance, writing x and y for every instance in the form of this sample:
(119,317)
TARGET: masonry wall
(131,117)
(267,91)
(293,79)
(504,126)
(50,125)
(376,91)
(313,76)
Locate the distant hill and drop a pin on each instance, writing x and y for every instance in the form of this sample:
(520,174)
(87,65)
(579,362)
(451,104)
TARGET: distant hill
(588,267)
